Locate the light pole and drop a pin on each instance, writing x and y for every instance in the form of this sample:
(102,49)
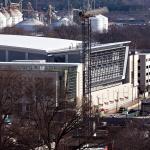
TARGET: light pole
(117,101)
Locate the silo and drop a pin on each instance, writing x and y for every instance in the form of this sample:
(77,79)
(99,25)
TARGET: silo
(19,14)
(99,23)
(8,18)
(2,21)
(14,16)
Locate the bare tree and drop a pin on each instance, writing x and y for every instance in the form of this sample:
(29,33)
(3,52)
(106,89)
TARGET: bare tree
(52,119)
(10,93)
(135,136)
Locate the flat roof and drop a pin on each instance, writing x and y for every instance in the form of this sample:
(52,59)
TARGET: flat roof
(50,45)
(37,43)
(95,46)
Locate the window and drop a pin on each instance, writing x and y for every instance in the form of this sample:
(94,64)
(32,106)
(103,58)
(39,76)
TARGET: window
(138,74)
(146,73)
(146,81)
(59,58)
(139,61)
(138,67)
(146,66)
(139,81)
(35,56)
(2,55)
(14,55)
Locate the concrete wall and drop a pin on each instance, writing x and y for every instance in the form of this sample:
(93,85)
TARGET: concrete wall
(115,96)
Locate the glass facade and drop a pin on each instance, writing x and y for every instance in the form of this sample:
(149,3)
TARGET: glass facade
(107,66)
(59,58)
(35,56)
(2,55)
(14,55)
(74,58)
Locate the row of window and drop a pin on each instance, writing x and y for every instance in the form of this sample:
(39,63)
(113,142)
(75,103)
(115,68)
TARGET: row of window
(15,55)
(146,81)
(148,59)
(148,73)
(146,67)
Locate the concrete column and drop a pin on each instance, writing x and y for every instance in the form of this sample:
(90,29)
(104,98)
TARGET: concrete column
(26,56)
(66,58)
(6,57)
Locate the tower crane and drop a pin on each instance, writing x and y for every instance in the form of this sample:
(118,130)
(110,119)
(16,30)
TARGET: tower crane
(86,58)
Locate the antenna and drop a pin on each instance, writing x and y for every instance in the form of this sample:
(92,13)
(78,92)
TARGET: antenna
(49,14)
(20,4)
(30,9)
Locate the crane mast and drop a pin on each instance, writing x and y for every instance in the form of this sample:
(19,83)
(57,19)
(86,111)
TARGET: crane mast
(87,61)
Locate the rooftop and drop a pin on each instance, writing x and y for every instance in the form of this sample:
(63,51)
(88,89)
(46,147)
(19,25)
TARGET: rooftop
(36,43)
(50,45)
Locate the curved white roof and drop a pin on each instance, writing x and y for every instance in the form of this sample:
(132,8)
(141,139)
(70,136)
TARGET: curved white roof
(30,22)
(36,43)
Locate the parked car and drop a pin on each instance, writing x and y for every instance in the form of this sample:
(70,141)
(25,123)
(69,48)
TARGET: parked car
(133,112)
(123,110)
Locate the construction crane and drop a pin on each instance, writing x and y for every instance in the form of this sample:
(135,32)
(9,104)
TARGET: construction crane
(86,58)
(30,9)
(49,14)
(92,13)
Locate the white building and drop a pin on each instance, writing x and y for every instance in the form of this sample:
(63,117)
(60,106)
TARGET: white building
(143,71)
(114,78)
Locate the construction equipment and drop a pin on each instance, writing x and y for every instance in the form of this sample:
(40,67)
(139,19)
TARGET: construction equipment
(91,13)
(86,59)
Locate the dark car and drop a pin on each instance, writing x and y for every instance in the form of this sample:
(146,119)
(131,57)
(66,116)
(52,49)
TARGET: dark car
(133,112)
(122,110)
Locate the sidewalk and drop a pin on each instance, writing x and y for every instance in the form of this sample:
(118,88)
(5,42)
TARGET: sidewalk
(129,105)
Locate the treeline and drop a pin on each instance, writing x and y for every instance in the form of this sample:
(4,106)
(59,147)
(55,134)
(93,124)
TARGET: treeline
(138,35)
